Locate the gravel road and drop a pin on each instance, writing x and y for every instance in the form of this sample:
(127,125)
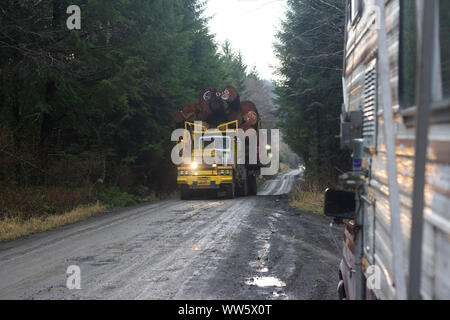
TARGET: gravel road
(245,248)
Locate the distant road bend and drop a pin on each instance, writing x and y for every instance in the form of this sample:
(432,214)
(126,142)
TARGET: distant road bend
(280,185)
(245,248)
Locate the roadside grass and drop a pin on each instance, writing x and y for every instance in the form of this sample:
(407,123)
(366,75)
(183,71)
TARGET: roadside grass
(11,228)
(284,168)
(27,211)
(307,198)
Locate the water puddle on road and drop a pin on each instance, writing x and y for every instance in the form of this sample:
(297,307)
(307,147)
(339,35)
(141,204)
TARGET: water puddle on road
(260,265)
(263,246)
(279,295)
(265,282)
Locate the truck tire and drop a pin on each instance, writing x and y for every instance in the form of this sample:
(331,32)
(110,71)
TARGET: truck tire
(251,185)
(245,189)
(242,190)
(184,192)
(231,190)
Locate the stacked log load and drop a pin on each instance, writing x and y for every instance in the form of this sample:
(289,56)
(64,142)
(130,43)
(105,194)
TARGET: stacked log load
(211,110)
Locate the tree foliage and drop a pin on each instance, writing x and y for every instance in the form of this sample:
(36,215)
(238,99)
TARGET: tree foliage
(310,46)
(96,104)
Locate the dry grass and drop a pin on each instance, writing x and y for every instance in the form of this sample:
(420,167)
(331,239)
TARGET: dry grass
(11,228)
(26,211)
(284,168)
(307,198)
(26,203)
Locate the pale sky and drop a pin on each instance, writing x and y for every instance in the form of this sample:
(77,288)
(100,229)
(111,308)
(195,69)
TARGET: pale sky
(250,26)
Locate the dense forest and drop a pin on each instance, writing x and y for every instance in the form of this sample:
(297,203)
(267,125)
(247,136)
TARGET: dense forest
(310,50)
(86,112)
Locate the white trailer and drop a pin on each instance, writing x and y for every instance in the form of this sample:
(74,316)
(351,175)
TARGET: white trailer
(396,83)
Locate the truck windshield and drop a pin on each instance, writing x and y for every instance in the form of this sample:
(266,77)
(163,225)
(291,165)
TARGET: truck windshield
(218,143)
(221,145)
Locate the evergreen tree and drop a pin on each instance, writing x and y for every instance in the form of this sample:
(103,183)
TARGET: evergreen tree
(96,104)
(310,47)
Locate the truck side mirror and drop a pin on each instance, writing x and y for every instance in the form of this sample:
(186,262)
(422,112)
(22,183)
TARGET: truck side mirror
(339,204)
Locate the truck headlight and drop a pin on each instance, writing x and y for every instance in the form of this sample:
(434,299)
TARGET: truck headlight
(222,172)
(186,173)
(181,173)
(227,172)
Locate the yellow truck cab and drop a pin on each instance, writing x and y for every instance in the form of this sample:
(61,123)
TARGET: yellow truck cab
(225,177)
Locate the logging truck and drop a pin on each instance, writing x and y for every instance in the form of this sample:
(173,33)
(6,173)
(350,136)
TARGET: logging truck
(225,177)
(216,132)
(396,120)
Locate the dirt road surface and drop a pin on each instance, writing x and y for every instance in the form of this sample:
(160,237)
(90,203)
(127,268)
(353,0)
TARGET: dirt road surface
(281,185)
(245,248)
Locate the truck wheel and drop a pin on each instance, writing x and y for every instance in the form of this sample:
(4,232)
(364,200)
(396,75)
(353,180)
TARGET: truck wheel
(242,190)
(251,185)
(245,189)
(231,190)
(184,192)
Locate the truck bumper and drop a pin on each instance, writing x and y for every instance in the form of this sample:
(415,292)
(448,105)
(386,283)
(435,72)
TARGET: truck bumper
(204,182)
